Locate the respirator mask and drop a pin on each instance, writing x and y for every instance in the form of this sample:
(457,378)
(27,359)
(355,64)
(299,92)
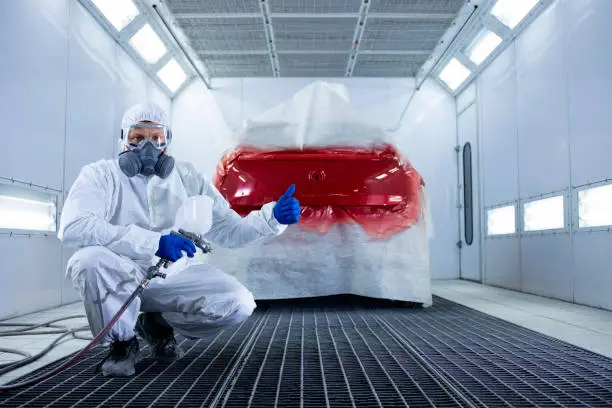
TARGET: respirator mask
(145,155)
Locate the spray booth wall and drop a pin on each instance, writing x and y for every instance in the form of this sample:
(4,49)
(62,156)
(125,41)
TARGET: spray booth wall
(65,85)
(545,128)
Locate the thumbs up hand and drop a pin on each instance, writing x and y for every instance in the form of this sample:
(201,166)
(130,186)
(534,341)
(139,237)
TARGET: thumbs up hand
(287,209)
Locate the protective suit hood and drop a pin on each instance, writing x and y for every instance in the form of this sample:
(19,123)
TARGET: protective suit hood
(144,112)
(146,157)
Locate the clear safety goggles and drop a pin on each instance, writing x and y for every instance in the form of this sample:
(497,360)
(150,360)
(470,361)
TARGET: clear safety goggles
(136,135)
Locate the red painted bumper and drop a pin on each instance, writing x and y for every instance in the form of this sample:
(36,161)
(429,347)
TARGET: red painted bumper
(375,188)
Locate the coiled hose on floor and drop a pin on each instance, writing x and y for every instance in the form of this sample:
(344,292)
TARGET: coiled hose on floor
(5,368)
(27,330)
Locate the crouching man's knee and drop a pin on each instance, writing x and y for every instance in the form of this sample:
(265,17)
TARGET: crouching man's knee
(245,305)
(86,259)
(213,315)
(84,266)
(96,266)
(232,310)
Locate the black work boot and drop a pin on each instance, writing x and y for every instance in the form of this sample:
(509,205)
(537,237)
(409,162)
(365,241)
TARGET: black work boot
(121,358)
(159,335)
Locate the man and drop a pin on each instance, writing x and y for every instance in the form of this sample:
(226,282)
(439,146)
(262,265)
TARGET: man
(120,212)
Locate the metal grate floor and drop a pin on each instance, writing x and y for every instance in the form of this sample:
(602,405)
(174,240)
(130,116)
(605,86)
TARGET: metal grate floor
(340,352)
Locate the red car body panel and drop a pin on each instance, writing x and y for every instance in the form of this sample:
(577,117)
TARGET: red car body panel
(373,187)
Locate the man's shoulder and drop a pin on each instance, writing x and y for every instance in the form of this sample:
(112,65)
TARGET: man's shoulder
(185,166)
(194,180)
(103,166)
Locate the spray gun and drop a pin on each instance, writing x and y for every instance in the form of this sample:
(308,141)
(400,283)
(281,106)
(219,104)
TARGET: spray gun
(199,242)
(155,270)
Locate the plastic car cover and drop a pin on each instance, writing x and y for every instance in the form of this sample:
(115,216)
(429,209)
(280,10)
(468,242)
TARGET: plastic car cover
(318,116)
(302,263)
(346,259)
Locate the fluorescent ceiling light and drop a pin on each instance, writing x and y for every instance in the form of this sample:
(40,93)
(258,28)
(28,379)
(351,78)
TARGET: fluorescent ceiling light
(484,44)
(172,75)
(454,74)
(512,12)
(148,44)
(118,12)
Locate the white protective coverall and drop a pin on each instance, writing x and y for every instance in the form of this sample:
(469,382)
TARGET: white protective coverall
(117,222)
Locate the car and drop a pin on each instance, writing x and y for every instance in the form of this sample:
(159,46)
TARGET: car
(364,226)
(374,187)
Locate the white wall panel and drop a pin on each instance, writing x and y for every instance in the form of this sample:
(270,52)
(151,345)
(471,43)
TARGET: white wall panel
(92,83)
(502,262)
(428,136)
(589,59)
(33,90)
(30,269)
(545,275)
(543,132)
(498,107)
(593,270)
(467,97)
(133,86)
(156,95)
(200,135)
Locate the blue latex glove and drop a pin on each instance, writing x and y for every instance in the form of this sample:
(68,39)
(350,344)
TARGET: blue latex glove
(170,247)
(287,209)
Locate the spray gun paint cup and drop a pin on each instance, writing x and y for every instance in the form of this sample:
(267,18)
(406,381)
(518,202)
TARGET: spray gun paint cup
(195,215)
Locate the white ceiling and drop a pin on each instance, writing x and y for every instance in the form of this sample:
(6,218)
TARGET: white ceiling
(314,38)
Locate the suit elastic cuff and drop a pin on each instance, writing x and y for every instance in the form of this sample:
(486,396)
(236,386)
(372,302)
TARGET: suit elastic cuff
(276,227)
(150,243)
